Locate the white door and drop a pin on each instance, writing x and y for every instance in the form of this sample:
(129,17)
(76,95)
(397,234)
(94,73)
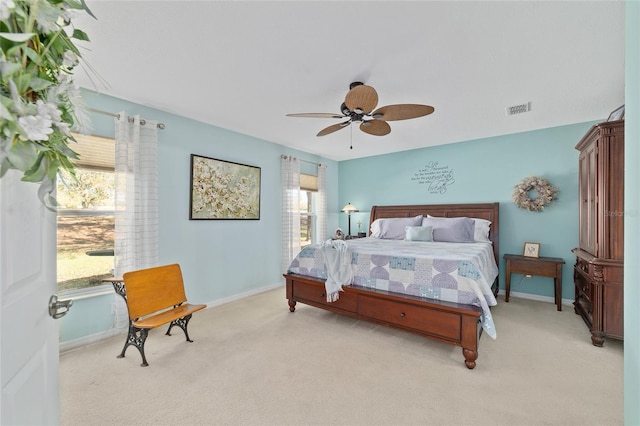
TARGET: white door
(29,358)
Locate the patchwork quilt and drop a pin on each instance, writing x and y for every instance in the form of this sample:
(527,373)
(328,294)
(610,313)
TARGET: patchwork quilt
(453,272)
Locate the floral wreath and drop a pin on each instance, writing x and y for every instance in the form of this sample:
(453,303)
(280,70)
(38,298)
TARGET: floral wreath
(547,193)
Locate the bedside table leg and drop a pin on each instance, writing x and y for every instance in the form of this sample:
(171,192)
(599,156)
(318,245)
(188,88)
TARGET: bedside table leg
(507,281)
(557,282)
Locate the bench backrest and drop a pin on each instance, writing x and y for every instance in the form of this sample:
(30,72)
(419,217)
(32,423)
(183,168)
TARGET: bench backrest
(154,289)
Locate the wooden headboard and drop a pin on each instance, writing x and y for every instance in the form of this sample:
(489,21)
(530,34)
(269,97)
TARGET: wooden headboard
(488,211)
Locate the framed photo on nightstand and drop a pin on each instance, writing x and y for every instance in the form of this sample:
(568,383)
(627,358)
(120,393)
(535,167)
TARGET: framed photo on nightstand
(531,250)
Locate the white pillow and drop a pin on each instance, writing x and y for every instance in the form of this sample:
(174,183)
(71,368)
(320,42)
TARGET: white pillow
(375,229)
(419,233)
(481,230)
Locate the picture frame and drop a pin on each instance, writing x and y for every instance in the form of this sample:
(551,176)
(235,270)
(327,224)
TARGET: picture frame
(531,250)
(223,190)
(617,114)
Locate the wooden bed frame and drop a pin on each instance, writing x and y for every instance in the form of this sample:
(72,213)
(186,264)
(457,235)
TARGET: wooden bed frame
(452,323)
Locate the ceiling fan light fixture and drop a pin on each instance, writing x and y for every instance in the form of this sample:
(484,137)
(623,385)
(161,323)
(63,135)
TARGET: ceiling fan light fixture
(359,105)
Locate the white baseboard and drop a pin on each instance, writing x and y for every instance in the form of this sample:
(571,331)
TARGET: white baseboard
(88,340)
(97,337)
(239,296)
(566,302)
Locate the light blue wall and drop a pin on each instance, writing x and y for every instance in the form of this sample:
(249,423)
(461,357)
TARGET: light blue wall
(220,259)
(485,170)
(387,180)
(632,218)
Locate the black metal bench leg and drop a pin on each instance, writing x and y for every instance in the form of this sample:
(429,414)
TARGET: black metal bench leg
(128,341)
(182,323)
(136,338)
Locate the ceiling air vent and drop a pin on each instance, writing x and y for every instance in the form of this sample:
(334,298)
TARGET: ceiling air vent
(518,109)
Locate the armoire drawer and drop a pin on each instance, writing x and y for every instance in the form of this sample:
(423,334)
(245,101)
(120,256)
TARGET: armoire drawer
(583,266)
(582,283)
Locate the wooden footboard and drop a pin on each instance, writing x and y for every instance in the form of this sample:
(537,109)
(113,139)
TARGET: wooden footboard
(451,323)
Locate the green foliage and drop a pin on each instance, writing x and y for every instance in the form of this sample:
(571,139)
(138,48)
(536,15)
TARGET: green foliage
(39,102)
(89,189)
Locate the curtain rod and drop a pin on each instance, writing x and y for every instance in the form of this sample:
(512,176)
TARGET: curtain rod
(142,120)
(300,159)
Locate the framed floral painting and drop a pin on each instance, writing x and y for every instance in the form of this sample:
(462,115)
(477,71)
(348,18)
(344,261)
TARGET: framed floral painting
(223,190)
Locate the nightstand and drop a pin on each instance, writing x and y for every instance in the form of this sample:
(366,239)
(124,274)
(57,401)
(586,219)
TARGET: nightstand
(540,266)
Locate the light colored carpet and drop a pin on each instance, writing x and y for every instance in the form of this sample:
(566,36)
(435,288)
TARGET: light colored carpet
(255,363)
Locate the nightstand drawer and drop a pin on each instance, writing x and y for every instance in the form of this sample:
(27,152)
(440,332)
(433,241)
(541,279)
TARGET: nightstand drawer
(533,267)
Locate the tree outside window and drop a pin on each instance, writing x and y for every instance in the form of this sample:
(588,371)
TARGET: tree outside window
(86,216)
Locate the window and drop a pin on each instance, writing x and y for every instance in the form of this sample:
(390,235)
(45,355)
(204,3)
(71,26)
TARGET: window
(308,214)
(307,218)
(86,216)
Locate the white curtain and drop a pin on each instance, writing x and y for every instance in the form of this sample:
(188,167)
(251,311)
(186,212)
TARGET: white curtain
(290,171)
(321,208)
(136,176)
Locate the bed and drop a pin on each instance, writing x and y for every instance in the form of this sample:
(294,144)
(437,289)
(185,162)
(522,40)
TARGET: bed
(448,313)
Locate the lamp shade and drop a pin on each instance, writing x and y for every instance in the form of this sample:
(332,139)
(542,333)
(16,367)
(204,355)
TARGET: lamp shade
(349,208)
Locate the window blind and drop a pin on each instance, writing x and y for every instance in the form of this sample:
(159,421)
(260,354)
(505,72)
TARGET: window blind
(96,152)
(308,182)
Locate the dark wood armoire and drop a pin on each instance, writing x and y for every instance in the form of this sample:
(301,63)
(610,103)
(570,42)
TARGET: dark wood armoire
(598,272)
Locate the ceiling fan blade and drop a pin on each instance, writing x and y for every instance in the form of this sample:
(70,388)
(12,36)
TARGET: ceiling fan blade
(317,115)
(402,112)
(362,97)
(333,128)
(375,127)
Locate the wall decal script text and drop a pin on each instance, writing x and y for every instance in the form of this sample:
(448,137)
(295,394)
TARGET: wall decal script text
(437,178)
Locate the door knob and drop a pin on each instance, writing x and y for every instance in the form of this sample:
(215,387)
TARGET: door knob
(55,305)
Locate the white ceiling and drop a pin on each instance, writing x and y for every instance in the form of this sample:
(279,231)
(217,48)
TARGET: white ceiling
(244,65)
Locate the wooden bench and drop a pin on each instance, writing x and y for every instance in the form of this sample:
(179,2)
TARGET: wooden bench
(155,297)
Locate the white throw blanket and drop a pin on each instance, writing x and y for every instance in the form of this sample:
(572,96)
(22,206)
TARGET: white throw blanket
(338,262)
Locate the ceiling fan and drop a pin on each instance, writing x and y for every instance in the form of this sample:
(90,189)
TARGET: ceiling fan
(358,106)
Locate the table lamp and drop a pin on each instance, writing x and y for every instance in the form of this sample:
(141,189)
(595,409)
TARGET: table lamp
(348,209)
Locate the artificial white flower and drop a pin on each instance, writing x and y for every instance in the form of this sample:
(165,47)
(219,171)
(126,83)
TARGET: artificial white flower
(69,59)
(64,128)
(49,110)
(36,127)
(5,6)
(67,15)
(46,16)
